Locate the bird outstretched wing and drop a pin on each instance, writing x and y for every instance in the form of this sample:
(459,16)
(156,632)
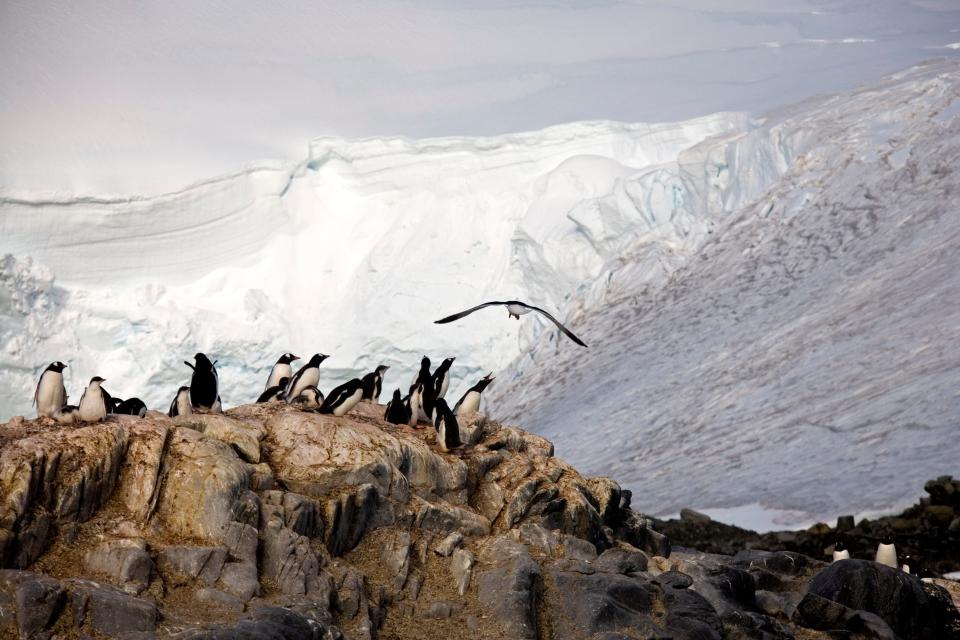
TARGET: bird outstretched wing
(566,331)
(464,314)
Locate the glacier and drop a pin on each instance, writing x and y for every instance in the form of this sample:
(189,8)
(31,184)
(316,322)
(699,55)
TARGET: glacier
(769,300)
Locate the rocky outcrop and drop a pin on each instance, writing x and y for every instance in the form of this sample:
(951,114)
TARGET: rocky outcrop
(271,522)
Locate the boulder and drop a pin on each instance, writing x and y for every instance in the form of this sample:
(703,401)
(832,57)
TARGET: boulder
(509,584)
(179,565)
(125,561)
(109,611)
(243,435)
(139,486)
(461,568)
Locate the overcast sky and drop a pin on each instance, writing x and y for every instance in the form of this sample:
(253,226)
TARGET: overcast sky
(146,97)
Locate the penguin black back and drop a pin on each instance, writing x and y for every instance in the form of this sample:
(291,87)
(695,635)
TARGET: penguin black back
(448,430)
(428,395)
(204,383)
(397,412)
(131,407)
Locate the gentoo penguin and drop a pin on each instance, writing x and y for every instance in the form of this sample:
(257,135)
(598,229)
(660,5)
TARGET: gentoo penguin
(181,403)
(428,396)
(441,378)
(274,393)
(307,376)
(131,407)
(309,398)
(95,402)
(448,431)
(68,414)
(515,309)
(372,383)
(343,398)
(887,552)
(840,551)
(204,384)
(281,369)
(905,567)
(470,401)
(397,411)
(412,403)
(50,395)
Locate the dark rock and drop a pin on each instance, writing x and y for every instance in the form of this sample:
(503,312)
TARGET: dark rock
(944,490)
(747,625)
(695,517)
(577,549)
(241,541)
(621,560)
(690,615)
(347,518)
(509,584)
(584,605)
(638,531)
(219,598)
(272,623)
(446,518)
(844,524)
(240,579)
(39,601)
(448,544)
(247,509)
(895,596)
(125,561)
(288,559)
(180,565)
(674,580)
(441,610)
(110,611)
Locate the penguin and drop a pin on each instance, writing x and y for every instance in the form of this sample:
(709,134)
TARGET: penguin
(131,407)
(274,393)
(204,384)
(68,414)
(887,552)
(398,412)
(428,396)
(280,370)
(373,382)
(840,551)
(50,395)
(181,403)
(441,378)
(309,398)
(470,401)
(412,403)
(905,567)
(307,376)
(448,431)
(95,402)
(343,398)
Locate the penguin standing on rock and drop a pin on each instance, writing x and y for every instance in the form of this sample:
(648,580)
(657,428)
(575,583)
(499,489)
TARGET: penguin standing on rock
(309,398)
(428,397)
(372,383)
(280,370)
(343,398)
(398,412)
(181,403)
(412,403)
(887,552)
(840,551)
(131,407)
(470,401)
(204,385)
(441,378)
(448,431)
(95,401)
(274,393)
(50,395)
(307,376)
(68,414)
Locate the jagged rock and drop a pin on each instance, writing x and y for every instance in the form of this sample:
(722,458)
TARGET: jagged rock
(448,544)
(179,564)
(202,481)
(240,579)
(578,549)
(244,436)
(110,611)
(446,518)
(461,568)
(289,559)
(57,476)
(539,538)
(396,558)
(139,485)
(29,602)
(769,603)
(944,491)
(125,561)
(217,598)
(241,541)
(584,605)
(862,585)
(261,477)
(347,518)
(271,623)
(723,584)
(508,585)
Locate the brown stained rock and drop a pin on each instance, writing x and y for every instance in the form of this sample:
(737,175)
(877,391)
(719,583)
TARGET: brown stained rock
(126,562)
(202,481)
(56,476)
(244,435)
(139,485)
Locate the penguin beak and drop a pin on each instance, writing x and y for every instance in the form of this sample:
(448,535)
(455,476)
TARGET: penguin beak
(294,358)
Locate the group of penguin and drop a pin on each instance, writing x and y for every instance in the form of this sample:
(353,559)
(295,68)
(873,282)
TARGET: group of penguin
(424,401)
(886,553)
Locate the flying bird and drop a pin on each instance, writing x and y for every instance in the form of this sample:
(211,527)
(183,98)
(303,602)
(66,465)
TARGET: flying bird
(515,309)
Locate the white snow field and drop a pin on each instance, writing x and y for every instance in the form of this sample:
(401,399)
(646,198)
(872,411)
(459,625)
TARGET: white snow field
(772,305)
(784,336)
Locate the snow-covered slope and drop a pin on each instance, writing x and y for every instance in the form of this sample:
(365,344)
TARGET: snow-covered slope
(353,252)
(773,302)
(800,355)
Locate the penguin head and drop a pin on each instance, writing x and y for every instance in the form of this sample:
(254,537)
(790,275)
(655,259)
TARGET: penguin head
(56,366)
(396,395)
(425,364)
(887,539)
(317,359)
(184,389)
(446,364)
(97,379)
(442,408)
(484,382)
(382,369)
(287,358)
(202,360)
(839,546)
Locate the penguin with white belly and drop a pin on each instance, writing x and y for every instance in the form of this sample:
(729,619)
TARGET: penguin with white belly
(448,431)
(441,378)
(50,395)
(280,370)
(840,551)
(343,398)
(95,403)
(470,402)
(887,552)
(307,376)
(181,403)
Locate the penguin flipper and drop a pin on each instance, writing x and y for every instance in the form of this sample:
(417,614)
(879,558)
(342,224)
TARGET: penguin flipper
(189,365)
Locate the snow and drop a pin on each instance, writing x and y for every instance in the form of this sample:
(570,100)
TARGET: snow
(772,302)
(791,343)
